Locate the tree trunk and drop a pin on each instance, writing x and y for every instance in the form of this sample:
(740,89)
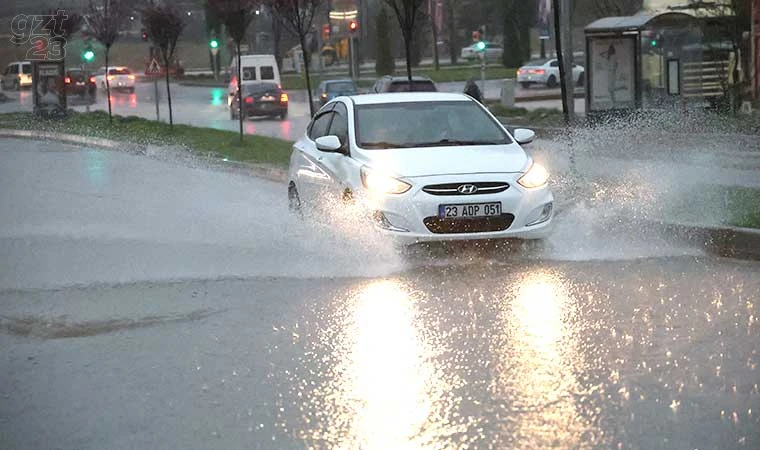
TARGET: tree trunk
(108,87)
(168,93)
(408,50)
(452,32)
(436,62)
(306,63)
(239,92)
(560,59)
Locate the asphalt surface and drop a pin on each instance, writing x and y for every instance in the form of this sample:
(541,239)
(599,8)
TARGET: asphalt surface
(162,302)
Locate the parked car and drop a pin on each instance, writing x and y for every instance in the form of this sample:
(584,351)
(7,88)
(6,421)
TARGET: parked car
(546,71)
(17,75)
(329,89)
(422,167)
(402,84)
(261,99)
(81,83)
(120,78)
(493,52)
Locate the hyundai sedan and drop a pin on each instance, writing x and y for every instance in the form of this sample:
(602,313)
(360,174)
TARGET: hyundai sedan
(420,167)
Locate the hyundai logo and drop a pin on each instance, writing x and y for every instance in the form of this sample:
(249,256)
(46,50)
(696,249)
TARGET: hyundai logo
(467,189)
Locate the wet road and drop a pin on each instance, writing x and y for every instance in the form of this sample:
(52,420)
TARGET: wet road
(158,302)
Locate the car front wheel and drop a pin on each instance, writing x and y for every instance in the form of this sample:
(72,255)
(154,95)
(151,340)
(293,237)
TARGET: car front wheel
(552,81)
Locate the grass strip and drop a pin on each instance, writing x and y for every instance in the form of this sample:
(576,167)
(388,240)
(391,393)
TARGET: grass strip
(205,141)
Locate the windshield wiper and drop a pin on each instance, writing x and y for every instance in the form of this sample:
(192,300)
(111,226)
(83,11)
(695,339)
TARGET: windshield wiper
(381,144)
(447,142)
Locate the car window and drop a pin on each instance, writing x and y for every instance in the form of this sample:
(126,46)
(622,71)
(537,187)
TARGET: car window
(249,73)
(414,86)
(7,70)
(260,88)
(121,71)
(26,68)
(267,72)
(320,125)
(554,63)
(429,124)
(339,126)
(343,86)
(14,69)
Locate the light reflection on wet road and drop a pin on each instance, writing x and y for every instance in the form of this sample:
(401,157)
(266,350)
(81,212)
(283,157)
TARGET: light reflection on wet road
(194,319)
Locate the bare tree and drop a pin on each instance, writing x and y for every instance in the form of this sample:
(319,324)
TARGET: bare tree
(104,21)
(606,8)
(164,25)
(406,13)
(64,29)
(451,29)
(297,17)
(236,15)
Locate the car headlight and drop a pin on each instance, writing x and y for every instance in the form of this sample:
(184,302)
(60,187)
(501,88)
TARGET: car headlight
(381,183)
(535,177)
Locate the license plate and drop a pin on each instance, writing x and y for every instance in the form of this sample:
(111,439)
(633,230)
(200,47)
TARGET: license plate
(470,210)
(267,99)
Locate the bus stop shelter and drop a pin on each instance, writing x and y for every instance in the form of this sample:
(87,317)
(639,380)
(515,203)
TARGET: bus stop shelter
(652,61)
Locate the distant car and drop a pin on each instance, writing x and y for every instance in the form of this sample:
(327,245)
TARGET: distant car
(402,84)
(120,78)
(422,167)
(329,89)
(17,75)
(493,52)
(261,99)
(546,71)
(81,83)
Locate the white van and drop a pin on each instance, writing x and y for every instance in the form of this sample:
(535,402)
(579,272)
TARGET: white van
(255,69)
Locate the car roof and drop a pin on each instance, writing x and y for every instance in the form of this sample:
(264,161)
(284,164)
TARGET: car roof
(400,78)
(404,97)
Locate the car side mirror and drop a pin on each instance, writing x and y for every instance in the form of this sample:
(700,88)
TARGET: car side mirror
(329,144)
(524,136)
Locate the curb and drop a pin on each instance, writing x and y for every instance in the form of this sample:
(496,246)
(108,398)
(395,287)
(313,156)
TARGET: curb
(725,241)
(267,172)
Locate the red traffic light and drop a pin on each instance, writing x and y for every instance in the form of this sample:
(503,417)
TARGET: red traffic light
(475,36)
(353,26)
(144,35)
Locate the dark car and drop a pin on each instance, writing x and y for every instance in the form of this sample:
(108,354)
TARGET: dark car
(261,99)
(402,84)
(329,89)
(81,83)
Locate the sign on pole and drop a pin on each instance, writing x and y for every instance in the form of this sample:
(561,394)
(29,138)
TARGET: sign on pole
(154,68)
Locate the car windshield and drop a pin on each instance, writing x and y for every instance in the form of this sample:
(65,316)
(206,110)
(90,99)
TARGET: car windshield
(344,86)
(120,71)
(426,124)
(413,86)
(260,88)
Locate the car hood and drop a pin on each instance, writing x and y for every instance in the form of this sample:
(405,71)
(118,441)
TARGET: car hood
(419,162)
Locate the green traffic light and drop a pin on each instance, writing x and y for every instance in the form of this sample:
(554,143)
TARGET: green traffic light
(88,55)
(653,42)
(480,46)
(213,43)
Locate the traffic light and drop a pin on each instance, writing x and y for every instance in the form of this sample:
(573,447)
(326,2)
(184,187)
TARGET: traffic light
(326,32)
(144,35)
(353,26)
(213,43)
(476,36)
(88,55)
(480,46)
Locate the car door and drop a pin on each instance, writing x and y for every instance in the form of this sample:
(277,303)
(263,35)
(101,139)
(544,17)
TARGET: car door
(311,179)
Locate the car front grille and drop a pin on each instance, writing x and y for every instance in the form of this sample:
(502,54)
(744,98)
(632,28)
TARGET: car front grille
(488,187)
(438,225)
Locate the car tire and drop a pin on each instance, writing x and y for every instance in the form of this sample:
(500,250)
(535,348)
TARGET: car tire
(16,85)
(131,90)
(284,116)
(581,79)
(525,85)
(233,114)
(551,81)
(294,200)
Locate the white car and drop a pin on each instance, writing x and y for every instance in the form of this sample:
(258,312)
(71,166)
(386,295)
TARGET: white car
(421,167)
(119,79)
(546,72)
(493,52)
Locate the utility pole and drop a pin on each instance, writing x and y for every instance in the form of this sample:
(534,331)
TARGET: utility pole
(564,56)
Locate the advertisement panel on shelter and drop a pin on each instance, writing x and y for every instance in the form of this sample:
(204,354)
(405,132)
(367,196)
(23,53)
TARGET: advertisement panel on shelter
(48,84)
(612,77)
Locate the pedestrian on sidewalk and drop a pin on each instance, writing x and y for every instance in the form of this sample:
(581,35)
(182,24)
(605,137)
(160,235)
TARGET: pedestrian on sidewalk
(471,88)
